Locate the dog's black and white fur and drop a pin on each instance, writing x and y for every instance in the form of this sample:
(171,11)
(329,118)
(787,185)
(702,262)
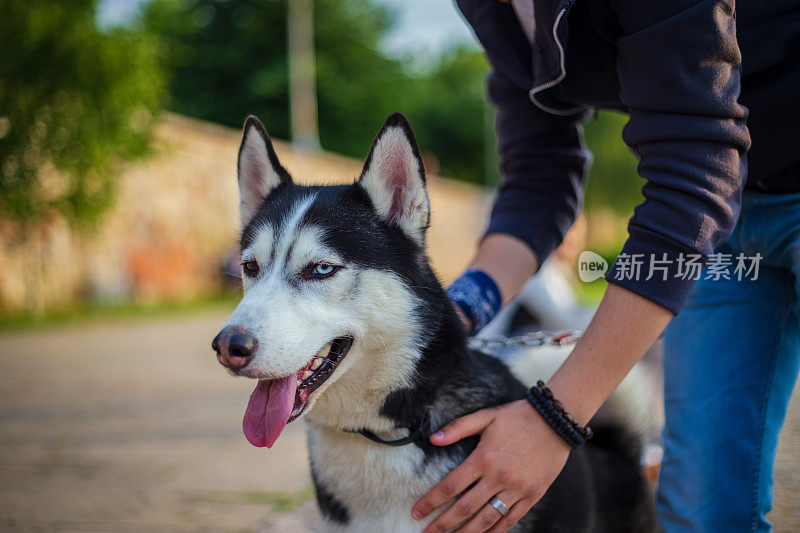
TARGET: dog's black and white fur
(408,354)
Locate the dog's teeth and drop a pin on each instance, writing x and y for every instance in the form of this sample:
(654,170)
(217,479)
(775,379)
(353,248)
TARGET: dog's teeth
(307,374)
(315,364)
(325,351)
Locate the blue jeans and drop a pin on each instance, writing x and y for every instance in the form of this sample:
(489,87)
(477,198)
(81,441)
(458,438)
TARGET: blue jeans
(731,359)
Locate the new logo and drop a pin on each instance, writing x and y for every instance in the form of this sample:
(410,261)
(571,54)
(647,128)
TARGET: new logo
(591,266)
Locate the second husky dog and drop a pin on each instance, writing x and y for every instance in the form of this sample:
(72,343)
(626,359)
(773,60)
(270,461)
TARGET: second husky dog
(343,322)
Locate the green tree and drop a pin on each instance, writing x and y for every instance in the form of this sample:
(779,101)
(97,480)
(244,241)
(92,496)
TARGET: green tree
(358,87)
(613,181)
(229,60)
(452,117)
(72,99)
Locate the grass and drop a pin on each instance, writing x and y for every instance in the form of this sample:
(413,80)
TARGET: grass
(113,311)
(280,502)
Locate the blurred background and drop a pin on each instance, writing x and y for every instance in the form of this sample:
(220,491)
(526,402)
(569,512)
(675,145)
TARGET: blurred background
(119,125)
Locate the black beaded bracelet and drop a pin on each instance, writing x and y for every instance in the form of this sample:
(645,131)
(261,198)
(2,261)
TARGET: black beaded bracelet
(585,432)
(553,413)
(553,419)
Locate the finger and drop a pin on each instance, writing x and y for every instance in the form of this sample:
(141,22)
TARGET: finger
(516,512)
(448,488)
(463,508)
(465,426)
(488,516)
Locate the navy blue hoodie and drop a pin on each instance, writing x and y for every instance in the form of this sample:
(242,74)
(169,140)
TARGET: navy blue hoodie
(686,81)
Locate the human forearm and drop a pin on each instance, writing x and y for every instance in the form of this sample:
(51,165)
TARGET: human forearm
(508,260)
(623,328)
(514,438)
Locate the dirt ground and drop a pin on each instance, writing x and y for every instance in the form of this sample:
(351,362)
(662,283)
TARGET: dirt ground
(135,427)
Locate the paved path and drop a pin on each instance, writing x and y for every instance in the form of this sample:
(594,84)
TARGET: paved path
(135,427)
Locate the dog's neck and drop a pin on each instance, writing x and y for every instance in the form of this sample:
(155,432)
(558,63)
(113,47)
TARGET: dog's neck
(441,357)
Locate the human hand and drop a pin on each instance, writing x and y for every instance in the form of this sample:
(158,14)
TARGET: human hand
(517,458)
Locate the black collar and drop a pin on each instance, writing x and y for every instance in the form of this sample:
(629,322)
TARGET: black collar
(422,432)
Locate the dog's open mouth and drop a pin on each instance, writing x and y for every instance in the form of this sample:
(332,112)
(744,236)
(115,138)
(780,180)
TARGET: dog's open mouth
(276,402)
(317,371)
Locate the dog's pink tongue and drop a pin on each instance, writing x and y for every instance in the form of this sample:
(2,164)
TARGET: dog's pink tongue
(268,410)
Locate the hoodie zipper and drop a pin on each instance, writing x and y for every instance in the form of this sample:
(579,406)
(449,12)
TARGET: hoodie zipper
(555,81)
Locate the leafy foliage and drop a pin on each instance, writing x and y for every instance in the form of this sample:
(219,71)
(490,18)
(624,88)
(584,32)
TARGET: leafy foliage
(454,119)
(613,181)
(230,60)
(73,99)
(357,85)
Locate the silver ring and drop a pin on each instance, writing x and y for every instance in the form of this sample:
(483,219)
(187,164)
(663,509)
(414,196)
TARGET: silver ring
(499,505)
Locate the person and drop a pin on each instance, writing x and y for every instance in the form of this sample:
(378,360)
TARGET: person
(687,72)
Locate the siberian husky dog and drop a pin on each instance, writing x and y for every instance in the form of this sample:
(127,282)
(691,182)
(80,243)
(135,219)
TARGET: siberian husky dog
(344,323)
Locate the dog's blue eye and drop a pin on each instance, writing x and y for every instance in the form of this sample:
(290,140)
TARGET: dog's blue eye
(323,269)
(317,271)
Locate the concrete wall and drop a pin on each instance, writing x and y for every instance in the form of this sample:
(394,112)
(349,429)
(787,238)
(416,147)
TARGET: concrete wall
(176,218)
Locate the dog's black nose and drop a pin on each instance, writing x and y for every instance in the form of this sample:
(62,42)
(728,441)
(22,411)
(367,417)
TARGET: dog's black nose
(242,345)
(235,347)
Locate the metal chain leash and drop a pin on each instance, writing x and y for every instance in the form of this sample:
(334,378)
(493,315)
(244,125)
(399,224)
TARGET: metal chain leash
(533,339)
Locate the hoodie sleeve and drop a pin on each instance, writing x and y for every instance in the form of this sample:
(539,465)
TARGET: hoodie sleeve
(543,164)
(679,71)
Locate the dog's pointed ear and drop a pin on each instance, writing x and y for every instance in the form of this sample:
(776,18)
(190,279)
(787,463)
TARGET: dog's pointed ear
(259,170)
(394,178)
